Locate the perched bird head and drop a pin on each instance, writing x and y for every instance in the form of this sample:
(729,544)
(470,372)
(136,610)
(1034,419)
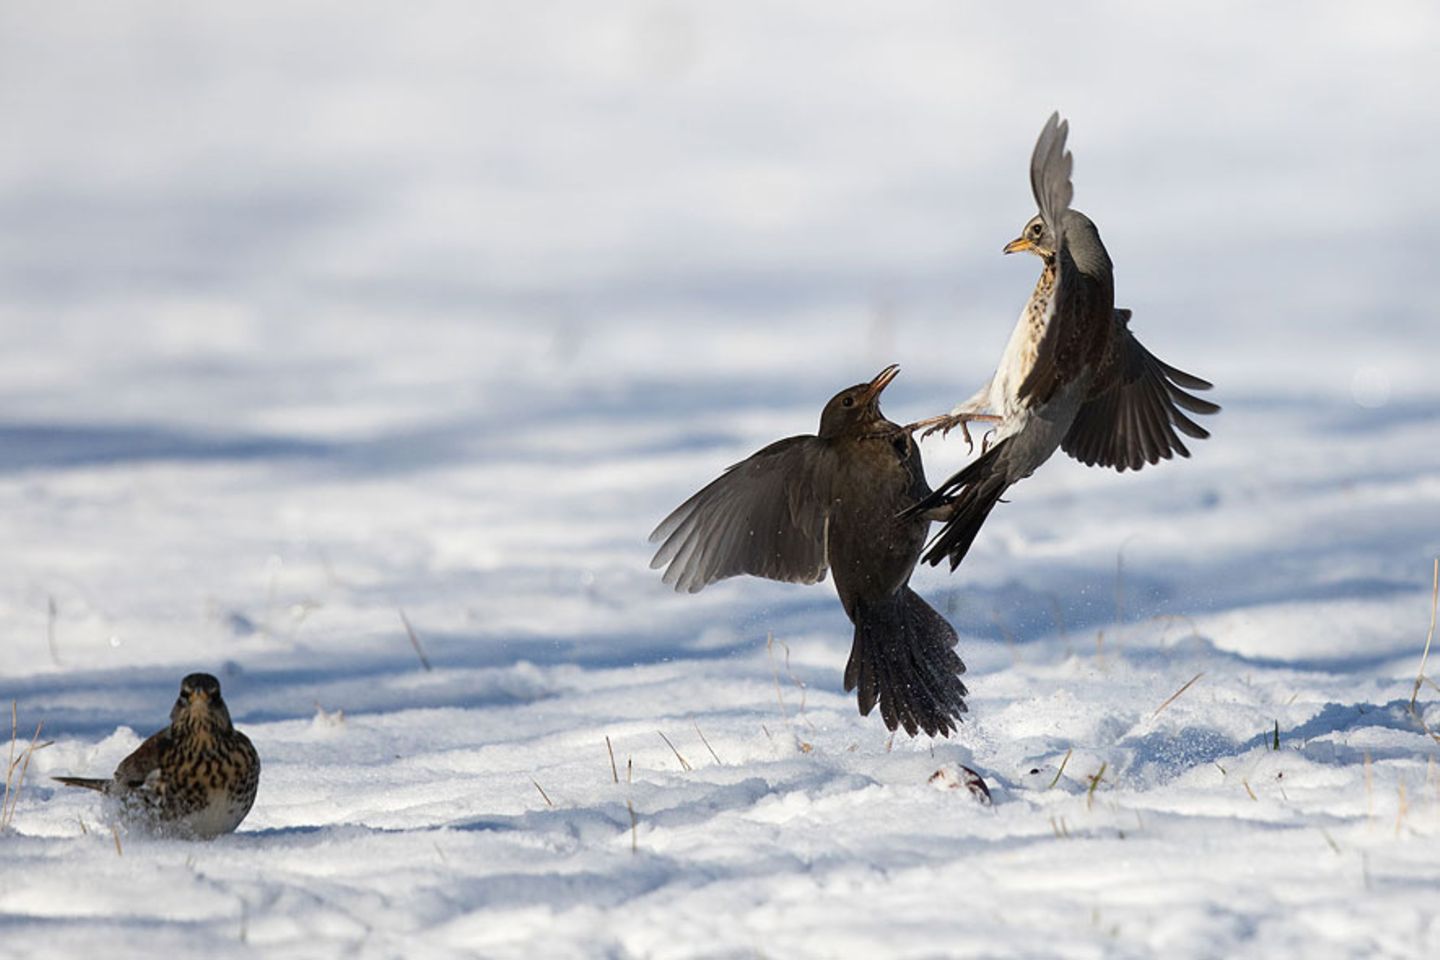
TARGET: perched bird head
(200,702)
(856,407)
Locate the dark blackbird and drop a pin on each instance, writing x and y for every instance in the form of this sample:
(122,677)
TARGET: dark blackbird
(808,503)
(195,779)
(1073,375)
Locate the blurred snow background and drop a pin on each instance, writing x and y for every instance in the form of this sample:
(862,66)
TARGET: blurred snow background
(314,312)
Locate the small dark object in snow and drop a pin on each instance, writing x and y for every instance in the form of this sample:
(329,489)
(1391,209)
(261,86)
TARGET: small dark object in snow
(955,777)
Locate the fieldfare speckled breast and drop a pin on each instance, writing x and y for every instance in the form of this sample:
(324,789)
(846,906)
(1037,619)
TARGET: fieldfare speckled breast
(195,779)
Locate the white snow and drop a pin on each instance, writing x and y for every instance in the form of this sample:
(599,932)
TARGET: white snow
(314,313)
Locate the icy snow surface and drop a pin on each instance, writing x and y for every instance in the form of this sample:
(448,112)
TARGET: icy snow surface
(314,313)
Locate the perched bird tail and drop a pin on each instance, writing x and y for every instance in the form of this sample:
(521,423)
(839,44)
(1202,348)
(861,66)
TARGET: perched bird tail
(904,658)
(968,497)
(87,782)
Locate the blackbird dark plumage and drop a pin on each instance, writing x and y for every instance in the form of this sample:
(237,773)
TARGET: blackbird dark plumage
(834,501)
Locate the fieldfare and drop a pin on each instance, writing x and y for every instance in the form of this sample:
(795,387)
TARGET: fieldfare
(1073,376)
(194,779)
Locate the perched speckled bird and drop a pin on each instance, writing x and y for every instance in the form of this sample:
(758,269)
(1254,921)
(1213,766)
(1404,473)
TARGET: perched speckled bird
(834,501)
(1072,377)
(196,778)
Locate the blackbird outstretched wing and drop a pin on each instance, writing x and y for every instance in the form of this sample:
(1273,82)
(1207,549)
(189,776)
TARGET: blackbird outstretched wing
(765,516)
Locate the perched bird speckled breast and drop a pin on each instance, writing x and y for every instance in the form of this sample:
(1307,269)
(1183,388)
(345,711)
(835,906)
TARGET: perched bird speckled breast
(833,501)
(196,778)
(1072,376)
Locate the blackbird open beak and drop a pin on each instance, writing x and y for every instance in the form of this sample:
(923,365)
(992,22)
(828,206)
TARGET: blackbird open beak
(1019,244)
(881,381)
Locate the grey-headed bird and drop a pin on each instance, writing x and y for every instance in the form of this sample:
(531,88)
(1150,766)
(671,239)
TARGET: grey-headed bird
(1072,377)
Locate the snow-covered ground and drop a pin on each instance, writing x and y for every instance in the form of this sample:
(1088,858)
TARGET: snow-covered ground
(312,313)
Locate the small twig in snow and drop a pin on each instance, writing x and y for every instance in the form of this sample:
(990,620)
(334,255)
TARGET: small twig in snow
(1176,695)
(414,641)
(706,742)
(1420,677)
(770,643)
(1094,784)
(10,763)
(684,764)
(1056,779)
(12,799)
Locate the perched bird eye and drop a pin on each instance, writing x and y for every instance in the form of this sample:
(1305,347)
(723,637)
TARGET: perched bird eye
(848,401)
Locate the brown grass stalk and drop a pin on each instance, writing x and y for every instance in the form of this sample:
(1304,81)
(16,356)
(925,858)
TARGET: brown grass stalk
(1420,677)
(14,783)
(415,641)
(1056,779)
(1094,784)
(706,742)
(1176,695)
(684,764)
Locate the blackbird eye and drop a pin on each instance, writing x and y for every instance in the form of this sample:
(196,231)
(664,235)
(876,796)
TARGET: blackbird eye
(848,401)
